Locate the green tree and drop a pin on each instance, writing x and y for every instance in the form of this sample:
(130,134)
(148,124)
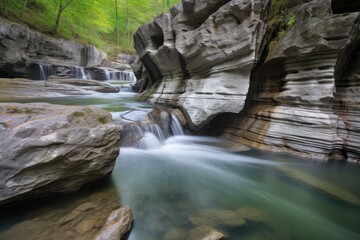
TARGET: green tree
(61,9)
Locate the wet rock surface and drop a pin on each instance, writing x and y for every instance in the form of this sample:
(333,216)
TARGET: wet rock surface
(48,149)
(205,233)
(117,224)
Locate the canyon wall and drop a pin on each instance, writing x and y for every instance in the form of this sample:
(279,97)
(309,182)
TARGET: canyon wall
(271,76)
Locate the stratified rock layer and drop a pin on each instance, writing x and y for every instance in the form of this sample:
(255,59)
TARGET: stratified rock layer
(304,99)
(22,49)
(304,90)
(200,56)
(47,149)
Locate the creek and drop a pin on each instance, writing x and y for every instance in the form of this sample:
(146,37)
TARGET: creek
(182,180)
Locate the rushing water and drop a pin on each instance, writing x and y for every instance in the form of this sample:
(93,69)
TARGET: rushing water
(171,181)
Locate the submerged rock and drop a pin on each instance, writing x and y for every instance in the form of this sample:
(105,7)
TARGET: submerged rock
(205,233)
(117,225)
(49,149)
(80,215)
(215,218)
(331,189)
(252,214)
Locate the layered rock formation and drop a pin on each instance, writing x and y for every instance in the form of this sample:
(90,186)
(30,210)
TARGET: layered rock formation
(47,149)
(200,56)
(22,49)
(303,96)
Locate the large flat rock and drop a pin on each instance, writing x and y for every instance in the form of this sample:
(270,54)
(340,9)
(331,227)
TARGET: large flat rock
(24,88)
(47,149)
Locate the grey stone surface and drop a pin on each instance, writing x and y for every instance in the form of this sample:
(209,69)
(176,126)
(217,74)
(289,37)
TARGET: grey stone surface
(205,233)
(54,87)
(304,98)
(47,149)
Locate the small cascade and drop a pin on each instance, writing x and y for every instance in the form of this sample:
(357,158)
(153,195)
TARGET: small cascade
(127,76)
(150,134)
(107,75)
(149,141)
(156,130)
(126,88)
(45,70)
(88,75)
(42,73)
(78,72)
(175,126)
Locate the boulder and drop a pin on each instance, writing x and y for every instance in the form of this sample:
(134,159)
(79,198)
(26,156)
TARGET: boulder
(205,233)
(48,149)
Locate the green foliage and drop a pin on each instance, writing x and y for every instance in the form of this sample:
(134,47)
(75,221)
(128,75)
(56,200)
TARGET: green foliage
(102,119)
(291,21)
(78,114)
(88,21)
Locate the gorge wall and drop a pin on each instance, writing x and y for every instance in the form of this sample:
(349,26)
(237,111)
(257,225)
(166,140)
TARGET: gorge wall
(276,75)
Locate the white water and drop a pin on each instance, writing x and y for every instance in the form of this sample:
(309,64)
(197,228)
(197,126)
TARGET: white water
(42,73)
(107,75)
(45,70)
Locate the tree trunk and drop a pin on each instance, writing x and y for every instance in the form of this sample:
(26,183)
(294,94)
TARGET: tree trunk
(60,11)
(58,18)
(117,23)
(25,2)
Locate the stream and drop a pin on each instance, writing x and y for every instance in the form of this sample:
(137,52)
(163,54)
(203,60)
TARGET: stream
(188,181)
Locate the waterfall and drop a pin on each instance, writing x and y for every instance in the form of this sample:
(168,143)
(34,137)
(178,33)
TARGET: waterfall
(45,70)
(106,75)
(127,76)
(150,135)
(42,73)
(88,76)
(78,72)
(81,73)
(175,126)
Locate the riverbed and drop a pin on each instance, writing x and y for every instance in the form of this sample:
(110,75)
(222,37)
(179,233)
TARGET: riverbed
(189,181)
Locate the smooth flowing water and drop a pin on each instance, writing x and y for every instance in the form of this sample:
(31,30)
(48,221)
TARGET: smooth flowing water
(182,182)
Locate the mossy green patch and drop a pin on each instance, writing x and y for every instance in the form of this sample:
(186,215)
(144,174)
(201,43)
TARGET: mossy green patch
(78,114)
(102,119)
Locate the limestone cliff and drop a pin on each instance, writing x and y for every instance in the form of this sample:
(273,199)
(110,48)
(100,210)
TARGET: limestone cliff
(276,77)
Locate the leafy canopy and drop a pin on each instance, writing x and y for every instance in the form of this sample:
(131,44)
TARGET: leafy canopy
(88,21)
